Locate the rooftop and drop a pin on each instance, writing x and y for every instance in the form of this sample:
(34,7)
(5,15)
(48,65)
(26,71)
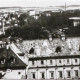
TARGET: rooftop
(75,18)
(56,47)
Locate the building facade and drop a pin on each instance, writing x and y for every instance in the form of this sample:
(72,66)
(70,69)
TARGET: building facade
(76,21)
(65,67)
(13,63)
(53,59)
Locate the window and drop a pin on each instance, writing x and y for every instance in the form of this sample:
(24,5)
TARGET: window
(59,61)
(32,62)
(76,60)
(42,62)
(51,62)
(8,70)
(68,74)
(60,74)
(42,75)
(76,73)
(33,75)
(52,74)
(12,59)
(79,48)
(67,60)
(19,73)
(58,49)
(31,51)
(2,61)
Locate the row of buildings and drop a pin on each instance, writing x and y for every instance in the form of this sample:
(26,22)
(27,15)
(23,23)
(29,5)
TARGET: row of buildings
(40,59)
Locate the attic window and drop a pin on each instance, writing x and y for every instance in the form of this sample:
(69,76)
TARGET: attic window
(19,72)
(58,49)
(31,51)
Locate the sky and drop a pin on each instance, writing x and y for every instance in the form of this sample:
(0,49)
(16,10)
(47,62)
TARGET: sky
(37,3)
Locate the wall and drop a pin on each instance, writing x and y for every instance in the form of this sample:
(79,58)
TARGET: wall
(14,74)
(64,66)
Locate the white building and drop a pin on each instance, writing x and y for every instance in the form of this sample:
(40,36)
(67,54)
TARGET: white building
(13,62)
(54,67)
(53,59)
(76,21)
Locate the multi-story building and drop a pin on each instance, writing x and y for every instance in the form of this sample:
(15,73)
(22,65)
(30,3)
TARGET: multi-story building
(76,21)
(53,59)
(54,67)
(13,62)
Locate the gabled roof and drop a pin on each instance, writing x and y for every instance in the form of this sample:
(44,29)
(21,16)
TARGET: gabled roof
(15,48)
(7,55)
(18,53)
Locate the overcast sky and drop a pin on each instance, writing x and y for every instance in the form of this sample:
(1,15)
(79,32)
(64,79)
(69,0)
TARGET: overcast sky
(37,3)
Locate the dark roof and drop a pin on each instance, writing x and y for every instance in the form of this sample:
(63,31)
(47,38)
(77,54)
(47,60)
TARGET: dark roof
(7,55)
(54,57)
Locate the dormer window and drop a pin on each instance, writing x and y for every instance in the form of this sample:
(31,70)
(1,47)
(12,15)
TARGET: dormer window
(19,73)
(58,49)
(31,51)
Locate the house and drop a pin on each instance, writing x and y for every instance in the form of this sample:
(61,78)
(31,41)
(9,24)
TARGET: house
(76,21)
(54,67)
(12,62)
(53,59)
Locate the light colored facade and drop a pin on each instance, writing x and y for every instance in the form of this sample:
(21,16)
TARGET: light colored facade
(53,59)
(76,21)
(54,67)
